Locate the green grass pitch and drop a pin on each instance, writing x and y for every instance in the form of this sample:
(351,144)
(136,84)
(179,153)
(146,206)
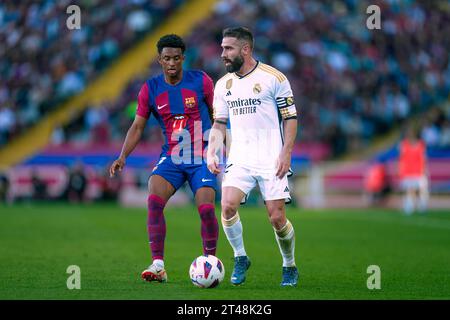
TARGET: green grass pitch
(333,250)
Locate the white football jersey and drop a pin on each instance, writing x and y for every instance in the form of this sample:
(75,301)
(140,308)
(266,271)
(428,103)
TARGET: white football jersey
(255,105)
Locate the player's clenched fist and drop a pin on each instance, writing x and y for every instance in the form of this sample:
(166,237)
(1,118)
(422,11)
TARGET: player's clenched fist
(116,165)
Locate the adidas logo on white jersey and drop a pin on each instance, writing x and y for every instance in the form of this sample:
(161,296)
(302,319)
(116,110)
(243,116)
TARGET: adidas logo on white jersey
(228,93)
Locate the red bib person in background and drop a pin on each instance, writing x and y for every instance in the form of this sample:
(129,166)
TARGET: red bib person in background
(412,169)
(412,159)
(376,183)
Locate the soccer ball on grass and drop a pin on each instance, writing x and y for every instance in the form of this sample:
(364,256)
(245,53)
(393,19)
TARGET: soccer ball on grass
(206,271)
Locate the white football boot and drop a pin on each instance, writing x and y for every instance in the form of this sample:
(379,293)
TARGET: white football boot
(154,273)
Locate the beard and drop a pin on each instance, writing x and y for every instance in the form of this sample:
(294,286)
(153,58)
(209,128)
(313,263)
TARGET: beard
(235,64)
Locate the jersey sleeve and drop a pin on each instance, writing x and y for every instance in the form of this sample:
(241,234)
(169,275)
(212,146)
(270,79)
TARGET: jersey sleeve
(143,107)
(285,100)
(208,90)
(220,105)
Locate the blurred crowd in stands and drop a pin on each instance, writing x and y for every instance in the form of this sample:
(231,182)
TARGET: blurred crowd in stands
(435,129)
(350,83)
(42,63)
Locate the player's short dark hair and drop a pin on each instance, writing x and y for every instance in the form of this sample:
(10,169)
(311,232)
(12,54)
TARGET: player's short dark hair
(411,131)
(240,33)
(170,41)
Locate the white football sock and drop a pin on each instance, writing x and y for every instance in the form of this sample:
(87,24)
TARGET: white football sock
(233,230)
(408,204)
(423,200)
(159,263)
(286,242)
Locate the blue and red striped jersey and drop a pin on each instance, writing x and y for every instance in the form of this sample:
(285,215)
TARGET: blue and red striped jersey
(182,110)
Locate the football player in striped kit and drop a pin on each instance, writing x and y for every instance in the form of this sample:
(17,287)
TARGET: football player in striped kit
(181,101)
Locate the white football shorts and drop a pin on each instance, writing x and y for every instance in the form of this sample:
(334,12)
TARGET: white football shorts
(272,188)
(414,183)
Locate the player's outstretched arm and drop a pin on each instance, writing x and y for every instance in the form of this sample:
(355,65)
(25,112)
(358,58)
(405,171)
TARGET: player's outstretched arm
(131,140)
(215,144)
(284,159)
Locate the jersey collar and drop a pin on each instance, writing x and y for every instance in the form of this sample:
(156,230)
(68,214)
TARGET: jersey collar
(174,85)
(254,68)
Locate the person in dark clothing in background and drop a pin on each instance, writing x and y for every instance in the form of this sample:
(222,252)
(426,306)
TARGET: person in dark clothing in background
(39,191)
(4,187)
(77,184)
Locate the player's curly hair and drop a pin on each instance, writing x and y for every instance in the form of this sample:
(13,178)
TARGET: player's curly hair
(170,41)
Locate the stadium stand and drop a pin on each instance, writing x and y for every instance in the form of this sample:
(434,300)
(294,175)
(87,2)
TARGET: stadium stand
(108,85)
(351,85)
(42,64)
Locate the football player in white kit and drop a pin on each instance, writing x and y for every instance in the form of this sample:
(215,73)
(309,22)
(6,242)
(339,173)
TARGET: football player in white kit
(258,101)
